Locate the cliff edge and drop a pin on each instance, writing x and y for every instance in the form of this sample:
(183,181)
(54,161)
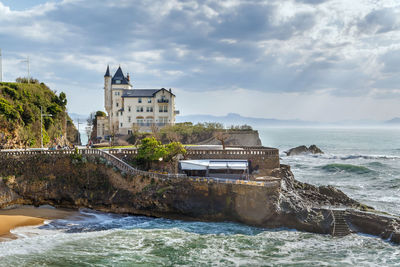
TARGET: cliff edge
(73,181)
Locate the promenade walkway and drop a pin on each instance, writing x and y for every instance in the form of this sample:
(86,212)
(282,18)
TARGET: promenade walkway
(125,167)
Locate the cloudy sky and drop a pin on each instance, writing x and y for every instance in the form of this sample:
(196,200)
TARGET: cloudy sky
(322,60)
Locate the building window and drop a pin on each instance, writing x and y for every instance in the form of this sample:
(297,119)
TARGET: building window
(160,109)
(165,108)
(117,81)
(149,109)
(139,109)
(121,124)
(163,120)
(121,113)
(140,100)
(116,93)
(129,131)
(129,108)
(129,119)
(116,104)
(149,100)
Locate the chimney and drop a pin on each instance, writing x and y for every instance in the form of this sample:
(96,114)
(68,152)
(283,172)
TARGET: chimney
(128,77)
(170,90)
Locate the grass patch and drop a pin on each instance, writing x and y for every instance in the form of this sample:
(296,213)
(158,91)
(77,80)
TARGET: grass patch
(163,189)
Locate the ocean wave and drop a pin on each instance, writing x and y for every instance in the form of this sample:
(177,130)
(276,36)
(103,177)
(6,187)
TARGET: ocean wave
(337,167)
(377,164)
(368,157)
(343,157)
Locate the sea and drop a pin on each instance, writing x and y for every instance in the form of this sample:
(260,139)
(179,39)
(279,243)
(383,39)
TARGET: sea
(362,162)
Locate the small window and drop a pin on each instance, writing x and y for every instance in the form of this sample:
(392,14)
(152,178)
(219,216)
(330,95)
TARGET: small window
(117,104)
(117,81)
(140,100)
(129,108)
(129,131)
(149,100)
(149,109)
(121,124)
(129,119)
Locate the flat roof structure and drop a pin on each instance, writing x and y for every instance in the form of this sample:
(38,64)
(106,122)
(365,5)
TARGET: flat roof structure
(223,164)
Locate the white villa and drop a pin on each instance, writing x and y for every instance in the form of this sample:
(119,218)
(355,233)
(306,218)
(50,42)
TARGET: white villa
(126,107)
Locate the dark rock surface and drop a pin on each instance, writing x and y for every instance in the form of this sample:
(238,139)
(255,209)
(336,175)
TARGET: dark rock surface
(313,149)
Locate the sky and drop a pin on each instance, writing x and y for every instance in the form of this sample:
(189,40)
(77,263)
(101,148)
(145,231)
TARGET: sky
(319,60)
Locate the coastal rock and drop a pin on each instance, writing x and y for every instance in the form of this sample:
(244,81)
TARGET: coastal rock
(67,182)
(313,149)
(235,138)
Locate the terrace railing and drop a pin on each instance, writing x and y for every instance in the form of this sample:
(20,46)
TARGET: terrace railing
(125,167)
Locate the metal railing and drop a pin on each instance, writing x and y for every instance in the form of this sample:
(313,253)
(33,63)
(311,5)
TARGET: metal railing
(246,152)
(125,167)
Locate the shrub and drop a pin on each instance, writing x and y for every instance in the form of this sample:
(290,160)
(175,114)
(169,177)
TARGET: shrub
(13,93)
(8,110)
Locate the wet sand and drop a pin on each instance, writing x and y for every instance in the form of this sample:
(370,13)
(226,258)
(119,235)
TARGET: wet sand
(9,222)
(29,216)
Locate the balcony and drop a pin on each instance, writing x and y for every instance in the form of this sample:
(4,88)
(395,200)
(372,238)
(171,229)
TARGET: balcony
(163,100)
(149,124)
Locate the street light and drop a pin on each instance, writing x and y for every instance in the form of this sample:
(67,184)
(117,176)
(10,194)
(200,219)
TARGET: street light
(27,62)
(41,124)
(79,134)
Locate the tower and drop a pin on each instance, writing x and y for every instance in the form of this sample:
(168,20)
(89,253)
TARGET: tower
(108,94)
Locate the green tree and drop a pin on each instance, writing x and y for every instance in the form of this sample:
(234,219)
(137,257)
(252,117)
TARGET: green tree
(151,149)
(174,149)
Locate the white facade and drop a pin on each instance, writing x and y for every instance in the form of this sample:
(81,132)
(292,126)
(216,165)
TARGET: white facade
(128,108)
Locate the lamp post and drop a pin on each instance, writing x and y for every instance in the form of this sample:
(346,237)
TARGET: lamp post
(41,125)
(1,67)
(79,134)
(27,62)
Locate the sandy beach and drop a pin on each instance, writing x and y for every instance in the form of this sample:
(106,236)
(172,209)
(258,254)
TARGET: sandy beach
(9,222)
(29,216)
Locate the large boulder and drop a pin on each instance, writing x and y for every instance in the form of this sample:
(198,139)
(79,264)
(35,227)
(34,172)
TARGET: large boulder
(313,149)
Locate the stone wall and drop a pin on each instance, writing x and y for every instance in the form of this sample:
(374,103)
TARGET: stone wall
(236,138)
(262,159)
(70,182)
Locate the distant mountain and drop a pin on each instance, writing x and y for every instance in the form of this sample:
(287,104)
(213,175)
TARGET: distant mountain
(236,119)
(393,121)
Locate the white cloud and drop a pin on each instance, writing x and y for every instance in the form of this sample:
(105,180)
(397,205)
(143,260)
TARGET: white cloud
(324,53)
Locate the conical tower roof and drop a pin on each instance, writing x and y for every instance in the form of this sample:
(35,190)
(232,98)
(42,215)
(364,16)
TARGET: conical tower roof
(119,77)
(107,72)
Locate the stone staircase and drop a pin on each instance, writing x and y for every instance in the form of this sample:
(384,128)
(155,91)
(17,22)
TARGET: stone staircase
(340,226)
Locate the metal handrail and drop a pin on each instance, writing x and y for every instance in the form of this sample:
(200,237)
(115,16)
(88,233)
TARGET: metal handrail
(123,166)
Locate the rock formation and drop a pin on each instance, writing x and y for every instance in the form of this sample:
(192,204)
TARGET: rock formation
(313,149)
(72,182)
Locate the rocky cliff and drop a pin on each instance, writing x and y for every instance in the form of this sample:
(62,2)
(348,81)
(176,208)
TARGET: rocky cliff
(71,181)
(235,138)
(21,105)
